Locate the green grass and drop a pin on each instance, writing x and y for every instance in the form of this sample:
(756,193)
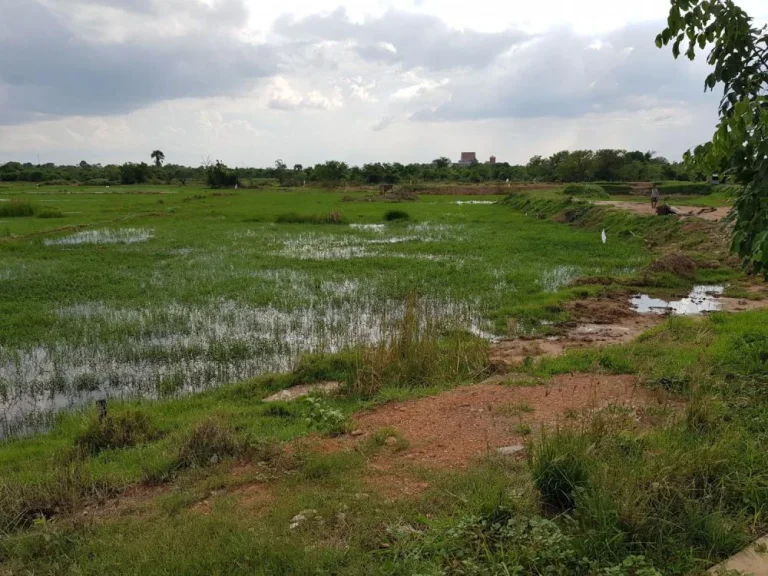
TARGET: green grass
(188,278)
(586,191)
(163,291)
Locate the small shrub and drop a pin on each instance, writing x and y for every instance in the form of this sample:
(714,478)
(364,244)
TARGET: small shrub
(207,442)
(393,215)
(122,430)
(17,208)
(50,213)
(559,469)
(323,418)
(585,191)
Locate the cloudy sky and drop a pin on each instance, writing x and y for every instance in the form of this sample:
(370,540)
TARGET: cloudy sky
(248,81)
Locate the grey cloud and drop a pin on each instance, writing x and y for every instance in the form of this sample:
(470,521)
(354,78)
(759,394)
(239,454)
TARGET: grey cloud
(418,40)
(560,75)
(46,69)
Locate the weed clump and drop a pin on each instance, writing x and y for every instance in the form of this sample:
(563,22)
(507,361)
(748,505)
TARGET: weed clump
(558,466)
(417,353)
(334,217)
(394,215)
(18,208)
(50,213)
(122,430)
(207,443)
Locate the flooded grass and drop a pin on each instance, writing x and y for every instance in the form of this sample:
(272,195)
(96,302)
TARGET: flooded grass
(154,300)
(105,236)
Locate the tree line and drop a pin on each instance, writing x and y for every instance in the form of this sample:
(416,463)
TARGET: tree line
(565,166)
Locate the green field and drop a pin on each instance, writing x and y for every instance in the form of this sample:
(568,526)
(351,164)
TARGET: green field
(179,289)
(180,304)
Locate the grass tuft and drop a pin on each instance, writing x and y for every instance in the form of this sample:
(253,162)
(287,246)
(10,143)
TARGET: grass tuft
(558,466)
(208,442)
(122,430)
(334,217)
(393,215)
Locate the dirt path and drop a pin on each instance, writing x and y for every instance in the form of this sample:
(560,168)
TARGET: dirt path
(644,208)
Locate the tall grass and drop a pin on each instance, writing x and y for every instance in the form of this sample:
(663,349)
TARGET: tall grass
(18,208)
(417,352)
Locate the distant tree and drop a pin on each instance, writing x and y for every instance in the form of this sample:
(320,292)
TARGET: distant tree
(441,163)
(331,172)
(298,167)
(217,175)
(738,53)
(83,164)
(280,166)
(134,173)
(158,157)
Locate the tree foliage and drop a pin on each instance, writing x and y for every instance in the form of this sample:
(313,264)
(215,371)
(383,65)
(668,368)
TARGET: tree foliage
(158,157)
(738,53)
(563,166)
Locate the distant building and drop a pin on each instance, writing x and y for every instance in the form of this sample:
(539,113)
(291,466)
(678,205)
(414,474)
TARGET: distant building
(467,158)
(492,161)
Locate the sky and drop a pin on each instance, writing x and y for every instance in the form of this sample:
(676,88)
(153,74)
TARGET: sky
(305,81)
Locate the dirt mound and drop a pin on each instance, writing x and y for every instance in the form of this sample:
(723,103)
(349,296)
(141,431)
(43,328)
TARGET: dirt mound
(675,263)
(451,429)
(599,310)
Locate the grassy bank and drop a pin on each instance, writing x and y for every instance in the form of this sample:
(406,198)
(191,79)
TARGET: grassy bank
(612,496)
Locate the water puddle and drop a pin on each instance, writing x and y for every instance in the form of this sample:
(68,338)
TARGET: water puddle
(701,299)
(105,236)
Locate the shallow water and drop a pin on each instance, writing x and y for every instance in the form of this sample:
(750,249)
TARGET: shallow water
(177,348)
(105,236)
(701,299)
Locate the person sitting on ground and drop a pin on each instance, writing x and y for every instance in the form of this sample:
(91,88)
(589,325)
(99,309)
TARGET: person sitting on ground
(654,196)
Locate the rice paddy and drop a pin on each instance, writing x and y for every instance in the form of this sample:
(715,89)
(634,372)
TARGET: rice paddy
(140,295)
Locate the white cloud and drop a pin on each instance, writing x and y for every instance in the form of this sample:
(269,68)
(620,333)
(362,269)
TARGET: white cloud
(239,79)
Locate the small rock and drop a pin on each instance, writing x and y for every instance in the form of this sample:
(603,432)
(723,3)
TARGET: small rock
(294,525)
(214,459)
(390,441)
(361,496)
(298,519)
(515,450)
(357,432)
(341,518)
(309,513)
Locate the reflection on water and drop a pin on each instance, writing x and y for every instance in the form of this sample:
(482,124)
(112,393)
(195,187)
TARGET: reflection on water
(177,348)
(105,236)
(701,299)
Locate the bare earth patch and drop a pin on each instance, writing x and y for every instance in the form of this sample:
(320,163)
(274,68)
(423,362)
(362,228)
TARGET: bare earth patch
(644,208)
(451,429)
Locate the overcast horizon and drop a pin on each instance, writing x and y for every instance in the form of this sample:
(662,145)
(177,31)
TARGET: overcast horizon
(108,81)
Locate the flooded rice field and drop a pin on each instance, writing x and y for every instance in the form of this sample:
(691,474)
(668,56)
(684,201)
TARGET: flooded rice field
(164,306)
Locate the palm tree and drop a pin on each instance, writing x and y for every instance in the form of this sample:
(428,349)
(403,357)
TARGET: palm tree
(158,157)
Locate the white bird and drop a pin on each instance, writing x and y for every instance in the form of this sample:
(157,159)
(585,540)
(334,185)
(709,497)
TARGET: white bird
(604,237)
